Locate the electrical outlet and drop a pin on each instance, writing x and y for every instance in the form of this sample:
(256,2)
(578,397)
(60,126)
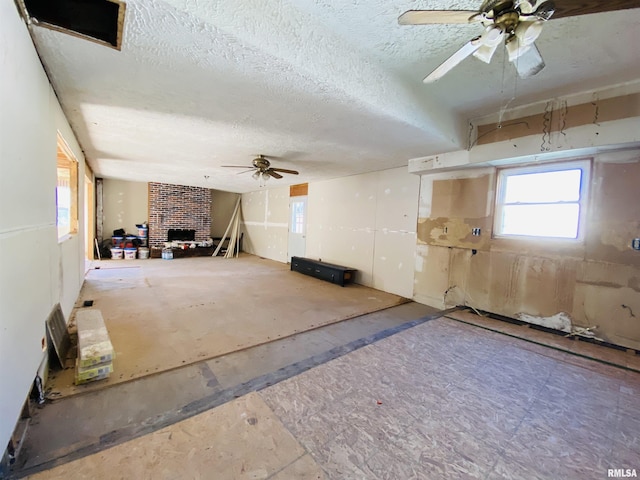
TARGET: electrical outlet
(635,243)
(475,232)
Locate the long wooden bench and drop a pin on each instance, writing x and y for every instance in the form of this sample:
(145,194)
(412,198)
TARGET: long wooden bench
(337,274)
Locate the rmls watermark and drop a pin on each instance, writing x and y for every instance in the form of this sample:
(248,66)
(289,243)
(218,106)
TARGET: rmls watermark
(622,473)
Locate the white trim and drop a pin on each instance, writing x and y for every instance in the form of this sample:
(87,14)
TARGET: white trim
(582,164)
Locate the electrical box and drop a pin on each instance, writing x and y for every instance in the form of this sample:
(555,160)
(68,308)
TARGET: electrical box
(635,243)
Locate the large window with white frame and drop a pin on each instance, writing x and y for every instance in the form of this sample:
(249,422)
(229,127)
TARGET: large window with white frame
(547,200)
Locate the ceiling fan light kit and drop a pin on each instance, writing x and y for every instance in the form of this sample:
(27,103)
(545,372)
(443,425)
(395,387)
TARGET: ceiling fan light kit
(262,169)
(490,40)
(517,23)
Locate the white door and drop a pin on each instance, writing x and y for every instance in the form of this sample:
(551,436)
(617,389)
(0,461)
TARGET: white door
(297,226)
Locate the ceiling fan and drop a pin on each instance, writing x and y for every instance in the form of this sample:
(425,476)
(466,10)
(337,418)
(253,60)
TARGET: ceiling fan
(517,23)
(262,169)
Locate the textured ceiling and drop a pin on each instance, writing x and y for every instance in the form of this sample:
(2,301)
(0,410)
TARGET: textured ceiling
(329,88)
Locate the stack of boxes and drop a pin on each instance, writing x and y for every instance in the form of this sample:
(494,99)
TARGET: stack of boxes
(95,352)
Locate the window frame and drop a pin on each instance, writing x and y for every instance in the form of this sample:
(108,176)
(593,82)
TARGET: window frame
(65,159)
(585,165)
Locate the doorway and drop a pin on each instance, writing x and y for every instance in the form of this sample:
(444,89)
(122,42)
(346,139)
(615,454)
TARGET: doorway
(297,226)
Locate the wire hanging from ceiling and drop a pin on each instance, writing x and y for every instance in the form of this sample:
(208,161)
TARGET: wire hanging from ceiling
(545,146)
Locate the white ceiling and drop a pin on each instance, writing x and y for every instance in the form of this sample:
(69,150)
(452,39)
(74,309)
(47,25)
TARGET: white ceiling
(329,88)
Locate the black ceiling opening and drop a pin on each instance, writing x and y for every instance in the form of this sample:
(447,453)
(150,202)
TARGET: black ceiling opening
(98,19)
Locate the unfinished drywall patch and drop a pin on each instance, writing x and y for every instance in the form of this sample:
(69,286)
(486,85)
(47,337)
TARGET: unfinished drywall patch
(453,207)
(341,223)
(615,211)
(396,210)
(265,215)
(559,284)
(461,197)
(367,222)
(431,278)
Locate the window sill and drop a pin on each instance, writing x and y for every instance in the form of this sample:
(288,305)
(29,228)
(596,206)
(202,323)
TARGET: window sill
(66,237)
(542,246)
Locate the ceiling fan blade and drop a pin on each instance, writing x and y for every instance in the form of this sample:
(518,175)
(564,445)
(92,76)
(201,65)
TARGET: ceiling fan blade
(529,63)
(572,8)
(467,49)
(284,170)
(245,171)
(428,17)
(273,174)
(236,166)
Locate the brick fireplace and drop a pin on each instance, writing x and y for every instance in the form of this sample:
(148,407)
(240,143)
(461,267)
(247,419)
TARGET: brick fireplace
(178,207)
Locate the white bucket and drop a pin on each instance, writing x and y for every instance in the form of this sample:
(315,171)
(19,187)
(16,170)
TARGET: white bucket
(129,253)
(143,253)
(116,253)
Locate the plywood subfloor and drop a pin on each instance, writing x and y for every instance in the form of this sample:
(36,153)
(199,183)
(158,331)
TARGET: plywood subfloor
(558,342)
(165,314)
(242,439)
(442,400)
(447,400)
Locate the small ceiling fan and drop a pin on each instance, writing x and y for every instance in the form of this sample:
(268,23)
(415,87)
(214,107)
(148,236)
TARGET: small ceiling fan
(262,169)
(517,23)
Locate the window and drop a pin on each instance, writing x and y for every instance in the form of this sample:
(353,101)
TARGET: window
(66,192)
(542,200)
(297,217)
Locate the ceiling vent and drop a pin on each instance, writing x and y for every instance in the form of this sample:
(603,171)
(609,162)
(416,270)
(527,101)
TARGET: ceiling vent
(100,21)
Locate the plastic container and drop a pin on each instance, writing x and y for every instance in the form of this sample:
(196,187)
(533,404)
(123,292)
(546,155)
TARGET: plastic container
(116,253)
(143,232)
(143,241)
(167,254)
(130,253)
(117,241)
(143,253)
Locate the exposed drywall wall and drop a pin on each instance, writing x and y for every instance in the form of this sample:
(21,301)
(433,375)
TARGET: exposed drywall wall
(265,215)
(125,205)
(367,222)
(36,271)
(222,206)
(457,205)
(341,223)
(589,283)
